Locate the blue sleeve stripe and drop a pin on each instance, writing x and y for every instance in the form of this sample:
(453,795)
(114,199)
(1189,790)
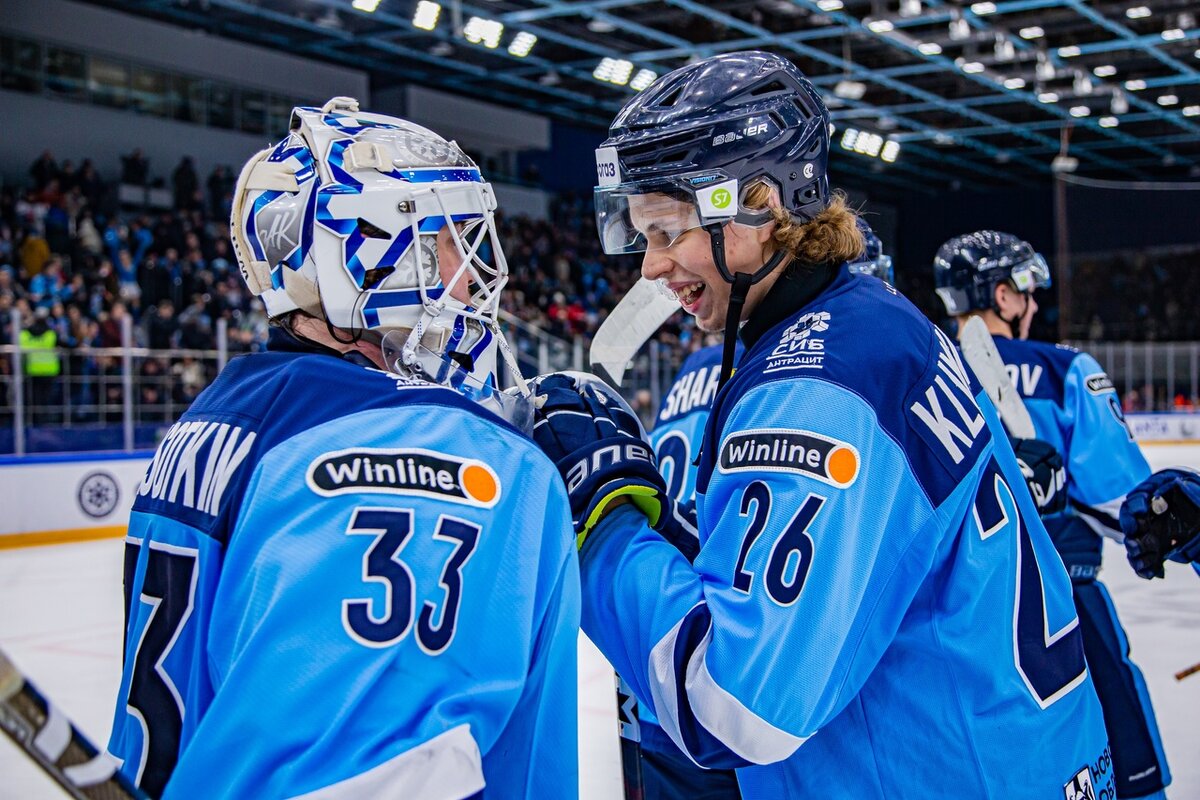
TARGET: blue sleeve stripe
(1099,520)
(709,724)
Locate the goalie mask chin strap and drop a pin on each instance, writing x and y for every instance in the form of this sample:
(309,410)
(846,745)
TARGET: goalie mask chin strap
(741,283)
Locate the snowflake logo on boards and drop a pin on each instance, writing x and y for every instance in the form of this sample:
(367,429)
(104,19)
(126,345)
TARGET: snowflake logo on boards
(98,494)
(800,347)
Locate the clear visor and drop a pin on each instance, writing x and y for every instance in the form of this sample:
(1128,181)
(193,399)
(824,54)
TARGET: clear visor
(636,218)
(1032,274)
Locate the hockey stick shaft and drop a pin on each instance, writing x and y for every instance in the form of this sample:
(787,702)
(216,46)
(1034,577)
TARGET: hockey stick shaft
(984,359)
(1183,673)
(45,734)
(631,741)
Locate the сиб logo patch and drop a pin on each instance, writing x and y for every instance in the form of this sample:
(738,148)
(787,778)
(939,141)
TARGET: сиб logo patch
(783,450)
(408,471)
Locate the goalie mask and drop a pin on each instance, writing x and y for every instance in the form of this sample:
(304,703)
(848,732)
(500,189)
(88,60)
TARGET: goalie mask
(386,231)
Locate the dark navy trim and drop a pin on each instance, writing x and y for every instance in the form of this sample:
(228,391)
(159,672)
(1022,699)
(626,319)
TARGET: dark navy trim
(75,457)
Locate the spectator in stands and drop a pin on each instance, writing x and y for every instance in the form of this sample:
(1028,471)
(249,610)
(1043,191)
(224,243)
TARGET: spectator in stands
(111,325)
(185,183)
(135,168)
(46,288)
(43,170)
(91,184)
(41,365)
(162,328)
(34,253)
(220,191)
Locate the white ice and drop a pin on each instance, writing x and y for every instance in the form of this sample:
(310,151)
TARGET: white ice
(62,622)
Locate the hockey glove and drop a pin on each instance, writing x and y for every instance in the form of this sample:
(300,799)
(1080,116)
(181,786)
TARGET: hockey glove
(597,442)
(1161,520)
(1043,469)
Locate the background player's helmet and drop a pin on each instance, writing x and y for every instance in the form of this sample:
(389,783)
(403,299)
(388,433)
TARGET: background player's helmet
(873,260)
(703,134)
(343,219)
(967,269)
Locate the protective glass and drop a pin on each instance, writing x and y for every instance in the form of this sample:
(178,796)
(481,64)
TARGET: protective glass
(1031,274)
(638,217)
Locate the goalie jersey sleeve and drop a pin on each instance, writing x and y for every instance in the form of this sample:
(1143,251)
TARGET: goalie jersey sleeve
(343,585)
(866,573)
(1076,408)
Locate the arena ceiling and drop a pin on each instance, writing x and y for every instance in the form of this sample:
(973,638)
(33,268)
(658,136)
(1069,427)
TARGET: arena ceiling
(973,95)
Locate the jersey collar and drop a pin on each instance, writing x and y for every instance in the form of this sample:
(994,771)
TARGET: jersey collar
(795,289)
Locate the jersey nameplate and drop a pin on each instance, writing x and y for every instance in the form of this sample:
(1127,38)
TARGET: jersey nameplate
(949,409)
(1099,383)
(782,450)
(694,390)
(195,463)
(410,471)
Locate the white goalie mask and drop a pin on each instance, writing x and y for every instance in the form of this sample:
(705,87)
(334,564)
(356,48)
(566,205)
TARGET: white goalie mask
(384,229)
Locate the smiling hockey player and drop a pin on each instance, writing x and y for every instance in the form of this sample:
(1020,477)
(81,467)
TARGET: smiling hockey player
(874,611)
(345,582)
(1076,410)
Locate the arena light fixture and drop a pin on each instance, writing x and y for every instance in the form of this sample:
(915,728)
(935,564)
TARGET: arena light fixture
(983,9)
(830,5)
(891,149)
(1135,86)
(368,6)
(1104,71)
(1167,100)
(870,144)
(1044,69)
(960,29)
(929,48)
(1032,32)
(1080,111)
(521,44)
(1003,48)
(1047,97)
(613,70)
(1109,122)
(1069,52)
(1082,84)
(1119,104)
(971,67)
(881,25)
(425,15)
(644,78)
(483,31)
(1137,12)
(1014,83)
(850,90)
(600,25)
(910,8)
(1173,34)
(1191,111)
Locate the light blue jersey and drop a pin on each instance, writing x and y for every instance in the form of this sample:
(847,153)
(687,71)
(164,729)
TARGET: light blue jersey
(1075,408)
(874,612)
(343,584)
(679,426)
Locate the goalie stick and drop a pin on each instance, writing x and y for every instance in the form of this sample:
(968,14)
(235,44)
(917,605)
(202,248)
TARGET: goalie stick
(641,312)
(45,734)
(984,359)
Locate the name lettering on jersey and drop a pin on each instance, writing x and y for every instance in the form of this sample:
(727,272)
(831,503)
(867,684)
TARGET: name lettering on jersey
(1099,383)
(1024,376)
(195,463)
(696,389)
(799,347)
(782,450)
(407,471)
(950,411)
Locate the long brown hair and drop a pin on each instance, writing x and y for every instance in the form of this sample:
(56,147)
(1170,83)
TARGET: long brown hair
(832,237)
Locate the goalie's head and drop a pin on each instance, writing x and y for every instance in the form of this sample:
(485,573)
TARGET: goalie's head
(375,225)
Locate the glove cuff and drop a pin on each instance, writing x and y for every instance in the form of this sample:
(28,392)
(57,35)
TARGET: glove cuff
(647,499)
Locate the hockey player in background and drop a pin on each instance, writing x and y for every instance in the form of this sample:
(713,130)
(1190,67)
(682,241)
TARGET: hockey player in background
(874,610)
(872,261)
(349,582)
(1075,409)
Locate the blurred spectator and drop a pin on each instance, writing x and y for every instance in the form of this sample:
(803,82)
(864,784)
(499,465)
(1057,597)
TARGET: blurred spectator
(135,168)
(185,183)
(43,170)
(41,365)
(162,327)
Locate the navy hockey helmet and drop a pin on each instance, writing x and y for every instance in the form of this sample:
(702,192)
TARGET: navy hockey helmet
(873,261)
(967,269)
(699,137)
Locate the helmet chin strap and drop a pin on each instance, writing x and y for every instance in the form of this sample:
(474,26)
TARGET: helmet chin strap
(741,283)
(1014,324)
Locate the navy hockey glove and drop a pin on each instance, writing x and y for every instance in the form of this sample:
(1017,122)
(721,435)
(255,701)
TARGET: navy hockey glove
(1042,466)
(598,444)
(1161,519)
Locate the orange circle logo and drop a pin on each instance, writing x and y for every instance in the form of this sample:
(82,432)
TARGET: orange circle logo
(479,484)
(842,465)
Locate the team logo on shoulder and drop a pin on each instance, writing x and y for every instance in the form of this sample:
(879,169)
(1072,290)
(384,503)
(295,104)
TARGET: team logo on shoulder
(1080,787)
(411,471)
(800,347)
(1099,383)
(782,450)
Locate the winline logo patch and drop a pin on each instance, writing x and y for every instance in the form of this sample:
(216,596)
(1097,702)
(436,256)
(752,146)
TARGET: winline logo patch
(413,471)
(782,450)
